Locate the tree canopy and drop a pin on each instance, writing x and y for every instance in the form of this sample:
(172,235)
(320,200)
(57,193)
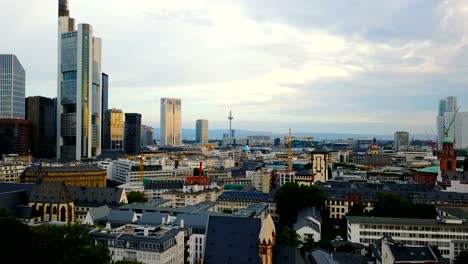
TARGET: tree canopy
(136,197)
(392,205)
(462,258)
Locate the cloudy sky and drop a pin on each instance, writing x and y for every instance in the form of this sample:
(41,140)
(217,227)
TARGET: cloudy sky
(320,66)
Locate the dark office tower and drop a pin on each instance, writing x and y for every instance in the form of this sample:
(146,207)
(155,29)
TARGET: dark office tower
(14,136)
(132,133)
(104,104)
(40,111)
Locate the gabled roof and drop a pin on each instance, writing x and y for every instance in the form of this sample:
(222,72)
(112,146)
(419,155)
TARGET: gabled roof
(99,212)
(320,256)
(303,219)
(120,216)
(50,192)
(95,196)
(410,253)
(232,240)
(152,218)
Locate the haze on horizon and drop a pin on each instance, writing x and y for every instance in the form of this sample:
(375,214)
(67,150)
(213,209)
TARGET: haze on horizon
(370,67)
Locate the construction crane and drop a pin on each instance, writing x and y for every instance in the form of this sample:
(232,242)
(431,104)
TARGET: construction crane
(141,160)
(208,147)
(446,130)
(290,139)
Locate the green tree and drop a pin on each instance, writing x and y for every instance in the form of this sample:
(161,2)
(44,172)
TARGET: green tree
(358,209)
(287,237)
(392,205)
(462,258)
(16,239)
(136,197)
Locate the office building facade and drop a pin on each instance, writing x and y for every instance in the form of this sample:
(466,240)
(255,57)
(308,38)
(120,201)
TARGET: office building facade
(14,136)
(147,135)
(79,90)
(171,122)
(12,87)
(40,111)
(458,130)
(446,105)
(105,104)
(201,131)
(132,133)
(114,130)
(401,140)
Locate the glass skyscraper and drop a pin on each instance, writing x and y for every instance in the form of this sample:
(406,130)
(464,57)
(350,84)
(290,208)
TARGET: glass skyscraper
(12,87)
(171,122)
(79,92)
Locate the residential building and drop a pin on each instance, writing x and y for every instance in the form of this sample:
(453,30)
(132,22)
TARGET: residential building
(263,179)
(393,253)
(201,128)
(114,130)
(41,113)
(147,135)
(171,122)
(12,87)
(303,177)
(309,224)
(79,89)
(132,133)
(165,243)
(90,176)
(182,199)
(14,136)
(11,171)
(401,140)
(236,200)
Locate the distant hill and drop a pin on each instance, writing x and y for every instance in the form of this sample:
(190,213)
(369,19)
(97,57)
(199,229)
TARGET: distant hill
(189,134)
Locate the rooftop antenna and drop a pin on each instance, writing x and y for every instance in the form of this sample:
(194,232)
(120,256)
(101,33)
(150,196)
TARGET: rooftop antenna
(230,117)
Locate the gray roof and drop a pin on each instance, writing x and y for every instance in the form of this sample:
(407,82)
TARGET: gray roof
(349,258)
(99,212)
(232,240)
(408,253)
(95,196)
(287,254)
(193,220)
(302,219)
(120,216)
(35,168)
(152,218)
(457,212)
(173,185)
(10,187)
(55,192)
(320,256)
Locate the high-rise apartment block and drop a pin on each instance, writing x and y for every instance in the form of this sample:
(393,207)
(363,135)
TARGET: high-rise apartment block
(171,122)
(114,130)
(40,111)
(401,140)
(12,87)
(79,90)
(147,135)
(201,131)
(132,133)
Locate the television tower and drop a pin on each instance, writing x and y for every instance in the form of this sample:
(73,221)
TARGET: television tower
(230,117)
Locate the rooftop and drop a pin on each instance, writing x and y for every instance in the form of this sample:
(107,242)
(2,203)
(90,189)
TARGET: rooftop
(396,221)
(411,253)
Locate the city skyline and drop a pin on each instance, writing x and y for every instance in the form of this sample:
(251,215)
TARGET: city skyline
(275,65)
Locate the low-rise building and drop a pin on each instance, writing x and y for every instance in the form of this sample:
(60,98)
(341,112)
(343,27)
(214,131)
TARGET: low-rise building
(91,176)
(181,199)
(236,200)
(309,224)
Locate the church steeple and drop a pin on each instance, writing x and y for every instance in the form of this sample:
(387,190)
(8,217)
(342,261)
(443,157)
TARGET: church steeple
(266,240)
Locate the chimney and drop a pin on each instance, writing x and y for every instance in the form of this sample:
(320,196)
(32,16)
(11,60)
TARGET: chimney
(181,223)
(108,226)
(163,222)
(146,231)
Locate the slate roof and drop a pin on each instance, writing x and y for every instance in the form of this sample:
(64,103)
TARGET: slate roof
(35,168)
(99,213)
(349,258)
(379,159)
(95,196)
(287,254)
(10,187)
(232,240)
(193,220)
(320,256)
(152,218)
(407,253)
(304,173)
(120,217)
(246,196)
(302,219)
(56,192)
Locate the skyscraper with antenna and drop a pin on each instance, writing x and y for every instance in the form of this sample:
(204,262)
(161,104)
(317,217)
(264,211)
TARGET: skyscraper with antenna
(230,117)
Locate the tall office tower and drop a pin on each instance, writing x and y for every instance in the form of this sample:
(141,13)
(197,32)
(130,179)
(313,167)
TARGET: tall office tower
(12,87)
(114,130)
(147,135)
(401,140)
(458,128)
(202,131)
(171,122)
(40,112)
(446,105)
(14,136)
(132,133)
(79,92)
(105,103)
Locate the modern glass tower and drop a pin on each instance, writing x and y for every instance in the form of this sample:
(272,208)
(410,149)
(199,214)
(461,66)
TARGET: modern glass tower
(12,87)
(79,93)
(171,122)
(132,133)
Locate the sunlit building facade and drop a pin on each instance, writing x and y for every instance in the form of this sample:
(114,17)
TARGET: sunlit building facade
(171,121)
